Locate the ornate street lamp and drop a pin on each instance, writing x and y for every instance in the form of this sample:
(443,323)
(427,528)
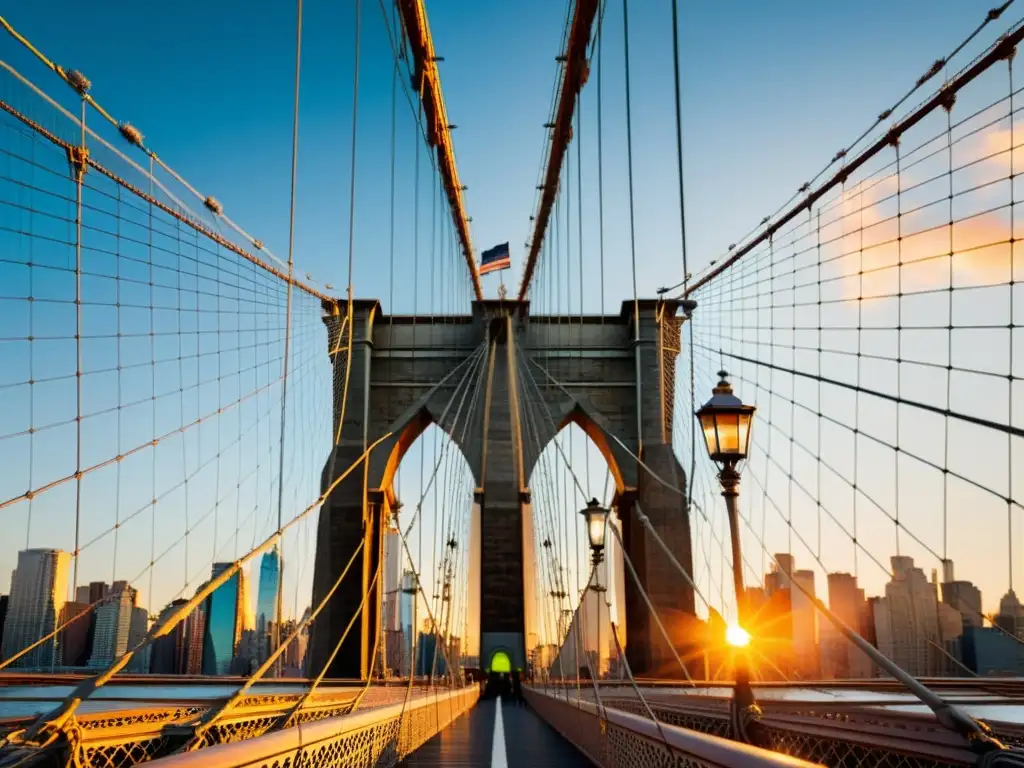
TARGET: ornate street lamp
(596,518)
(726,423)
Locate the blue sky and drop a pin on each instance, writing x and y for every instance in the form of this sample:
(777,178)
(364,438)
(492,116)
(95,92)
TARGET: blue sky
(770,92)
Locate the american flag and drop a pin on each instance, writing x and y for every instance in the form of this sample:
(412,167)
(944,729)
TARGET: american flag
(495,259)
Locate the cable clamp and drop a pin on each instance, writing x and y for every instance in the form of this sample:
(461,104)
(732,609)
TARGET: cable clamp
(78,161)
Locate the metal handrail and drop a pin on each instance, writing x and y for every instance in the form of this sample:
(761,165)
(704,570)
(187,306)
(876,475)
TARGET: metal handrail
(702,746)
(276,744)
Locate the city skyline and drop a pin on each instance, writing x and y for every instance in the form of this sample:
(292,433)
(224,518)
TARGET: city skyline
(818,651)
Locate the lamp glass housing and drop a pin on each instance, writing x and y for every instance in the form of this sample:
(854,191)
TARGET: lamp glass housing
(726,423)
(596,517)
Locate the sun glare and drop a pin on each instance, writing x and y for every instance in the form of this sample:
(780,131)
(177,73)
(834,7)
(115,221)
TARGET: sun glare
(737,636)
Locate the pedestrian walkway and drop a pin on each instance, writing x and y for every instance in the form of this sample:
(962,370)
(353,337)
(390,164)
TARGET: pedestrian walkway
(497,735)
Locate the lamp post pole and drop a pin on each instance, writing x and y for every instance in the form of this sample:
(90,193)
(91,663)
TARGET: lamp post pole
(743,695)
(730,481)
(598,589)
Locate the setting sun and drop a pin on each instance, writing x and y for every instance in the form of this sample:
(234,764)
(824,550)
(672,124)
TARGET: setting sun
(737,636)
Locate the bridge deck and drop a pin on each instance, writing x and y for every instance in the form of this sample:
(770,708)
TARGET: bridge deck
(523,740)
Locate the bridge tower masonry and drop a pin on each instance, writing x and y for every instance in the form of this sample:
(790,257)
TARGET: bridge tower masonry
(502,383)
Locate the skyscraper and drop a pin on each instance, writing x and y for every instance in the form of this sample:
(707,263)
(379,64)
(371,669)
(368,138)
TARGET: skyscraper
(1011,615)
(75,644)
(181,651)
(407,617)
(113,627)
(392,580)
(906,619)
(778,577)
(137,629)
(3,616)
(39,588)
(223,612)
(839,657)
(266,602)
(431,660)
(805,625)
(97,590)
(962,595)
(391,641)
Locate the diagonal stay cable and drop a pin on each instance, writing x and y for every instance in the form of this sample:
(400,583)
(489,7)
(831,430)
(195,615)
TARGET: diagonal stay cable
(57,718)
(654,475)
(650,606)
(287,719)
(551,418)
(947,714)
(549,507)
(636,578)
(475,359)
(211,716)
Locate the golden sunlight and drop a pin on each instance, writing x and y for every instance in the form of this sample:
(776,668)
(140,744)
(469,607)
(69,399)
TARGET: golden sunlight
(737,636)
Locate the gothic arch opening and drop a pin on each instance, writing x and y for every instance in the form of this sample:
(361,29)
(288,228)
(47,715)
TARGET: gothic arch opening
(573,604)
(424,628)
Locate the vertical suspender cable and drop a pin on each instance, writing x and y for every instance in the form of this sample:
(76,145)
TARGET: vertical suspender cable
(682,239)
(352,179)
(279,605)
(579,245)
(632,235)
(1010,411)
(349,321)
(679,137)
(600,160)
(78,168)
(391,214)
(152,383)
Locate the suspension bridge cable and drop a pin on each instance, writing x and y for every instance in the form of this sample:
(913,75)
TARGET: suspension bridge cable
(351,209)
(600,154)
(650,606)
(632,681)
(558,592)
(132,135)
(947,714)
(679,138)
(279,597)
(212,715)
(633,573)
(297,708)
(792,207)
(632,230)
(58,717)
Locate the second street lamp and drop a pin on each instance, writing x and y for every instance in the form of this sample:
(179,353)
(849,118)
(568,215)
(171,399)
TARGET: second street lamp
(596,517)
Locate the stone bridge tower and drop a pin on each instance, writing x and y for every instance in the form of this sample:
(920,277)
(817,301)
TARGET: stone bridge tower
(538,375)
